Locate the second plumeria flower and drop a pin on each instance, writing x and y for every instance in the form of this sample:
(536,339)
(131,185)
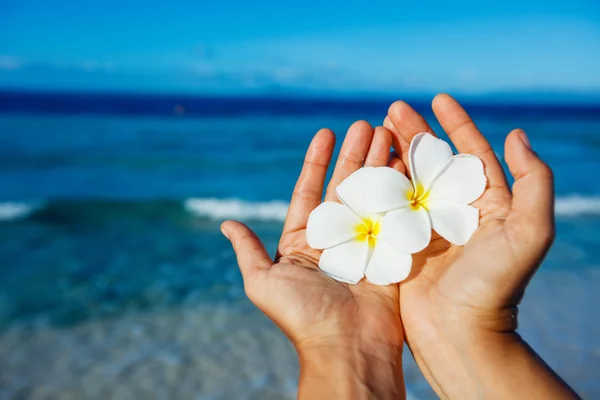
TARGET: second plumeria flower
(443,185)
(352,238)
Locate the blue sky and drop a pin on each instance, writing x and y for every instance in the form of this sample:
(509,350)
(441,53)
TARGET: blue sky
(274,46)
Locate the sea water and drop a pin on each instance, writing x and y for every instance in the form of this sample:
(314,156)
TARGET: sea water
(110,211)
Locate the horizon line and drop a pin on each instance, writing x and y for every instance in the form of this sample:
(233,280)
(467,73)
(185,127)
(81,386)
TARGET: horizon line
(209,104)
(509,94)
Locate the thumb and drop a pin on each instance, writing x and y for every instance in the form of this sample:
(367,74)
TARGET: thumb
(531,221)
(250,252)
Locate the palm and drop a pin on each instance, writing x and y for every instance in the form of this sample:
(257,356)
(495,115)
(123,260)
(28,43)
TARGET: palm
(479,283)
(444,273)
(292,290)
(303,299)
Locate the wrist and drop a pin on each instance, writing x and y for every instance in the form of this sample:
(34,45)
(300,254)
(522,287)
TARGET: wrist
(503,365)
(489,364)
(455,329)
(350,370)
(454,346)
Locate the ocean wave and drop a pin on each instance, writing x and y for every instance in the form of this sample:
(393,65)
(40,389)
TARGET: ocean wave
(566,206)
(221,209)
(11,211)
(215,209)
(574,205)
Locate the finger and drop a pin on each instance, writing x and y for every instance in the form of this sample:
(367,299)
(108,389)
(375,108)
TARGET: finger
(400,144)
(408,123)
(352,155)
(249,250)
(467,138)
(396,163)
(309,188)
(388,124)
(379,151)
(531,220)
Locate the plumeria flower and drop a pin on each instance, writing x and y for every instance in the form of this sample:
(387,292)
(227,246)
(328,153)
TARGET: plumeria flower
(351,236)
(443,185)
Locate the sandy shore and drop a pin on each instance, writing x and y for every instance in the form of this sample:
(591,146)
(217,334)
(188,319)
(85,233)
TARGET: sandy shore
(224,352)
(200,353)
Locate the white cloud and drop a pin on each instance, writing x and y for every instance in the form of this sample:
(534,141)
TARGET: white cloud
(10,63)
(94,65)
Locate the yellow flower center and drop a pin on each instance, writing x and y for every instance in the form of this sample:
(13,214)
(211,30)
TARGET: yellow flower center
(368,230)
(417,198)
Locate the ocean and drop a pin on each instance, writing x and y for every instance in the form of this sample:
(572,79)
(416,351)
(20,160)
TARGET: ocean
(116,282)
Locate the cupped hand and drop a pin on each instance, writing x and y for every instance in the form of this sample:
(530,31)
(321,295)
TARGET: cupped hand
(318,314)
(459,303)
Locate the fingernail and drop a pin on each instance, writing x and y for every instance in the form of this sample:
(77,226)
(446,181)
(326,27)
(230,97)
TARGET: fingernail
(525,139)
(224,232)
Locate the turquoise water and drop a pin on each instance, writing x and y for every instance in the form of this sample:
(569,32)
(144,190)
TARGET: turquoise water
(104,214)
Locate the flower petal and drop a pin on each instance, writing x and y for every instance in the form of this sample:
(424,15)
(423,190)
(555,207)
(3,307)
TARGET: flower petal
(387,265)
(384,189)
(455,222)
(330,224)
(427,156)
(462,180)
(349,191)
(345,262)
(407,230)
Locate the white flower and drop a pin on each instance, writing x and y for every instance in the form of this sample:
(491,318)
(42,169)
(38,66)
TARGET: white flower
(443,186)
(351,236)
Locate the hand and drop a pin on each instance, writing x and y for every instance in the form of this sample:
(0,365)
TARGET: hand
(345,335)
(459,304)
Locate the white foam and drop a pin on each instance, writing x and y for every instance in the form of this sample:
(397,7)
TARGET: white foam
(574,205)
(13,210)
(221,209)
(276,210)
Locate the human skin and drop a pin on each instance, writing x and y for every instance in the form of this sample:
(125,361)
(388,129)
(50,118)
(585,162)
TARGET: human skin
(459,304)
(349,338)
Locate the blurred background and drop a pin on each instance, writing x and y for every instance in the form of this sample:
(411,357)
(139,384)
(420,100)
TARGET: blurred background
(130,130)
